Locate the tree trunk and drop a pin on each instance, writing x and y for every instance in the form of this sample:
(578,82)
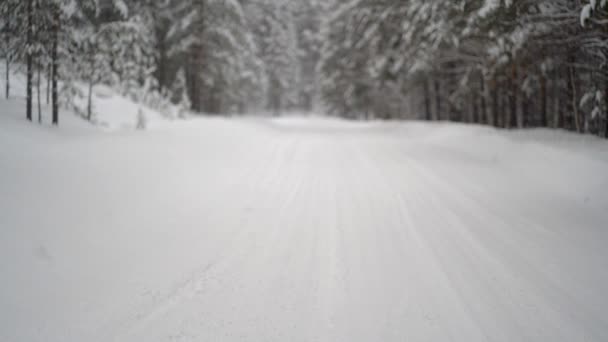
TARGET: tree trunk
(512,123)
(48,83)
(543,101)
(557,115)
(196,94)
(162,60)
(38,95)
(475,112)
(452,112)
(506,103)
(437,100)
(90,101)
(505,106)
(8,68)
(572,82)
(606,110)
(28,106)
(484,110)
(495,116)
(427,100)
(525,113)
(55,66)
(560,120)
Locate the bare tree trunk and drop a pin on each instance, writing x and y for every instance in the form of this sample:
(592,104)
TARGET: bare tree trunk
(525,113)
(38,95)
(55,66)
(196,95)
(543,100)
(606,110)
(48,83)
(508,101)
(8,68)
(513,97)
(162,60)
(524,119)
(484,111)
(475,112)
(452,112)
(505,106)
(28,105)
(558,119)
(196,55)
(90,101)
(572,82)
(495,116)
(437,100)
(427,100)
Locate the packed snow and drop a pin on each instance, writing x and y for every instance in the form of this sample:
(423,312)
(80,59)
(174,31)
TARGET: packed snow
(299,229)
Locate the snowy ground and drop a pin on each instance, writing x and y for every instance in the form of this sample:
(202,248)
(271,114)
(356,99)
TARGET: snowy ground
(300,230)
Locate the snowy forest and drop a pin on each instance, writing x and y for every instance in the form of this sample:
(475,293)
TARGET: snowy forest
(303,170)
(506,63)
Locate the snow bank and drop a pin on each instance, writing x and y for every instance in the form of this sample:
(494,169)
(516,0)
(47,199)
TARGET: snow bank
(111,110)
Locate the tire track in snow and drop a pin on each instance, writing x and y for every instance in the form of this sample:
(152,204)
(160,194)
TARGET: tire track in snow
(358,241)
(433,302)
(192,285)
(523,291)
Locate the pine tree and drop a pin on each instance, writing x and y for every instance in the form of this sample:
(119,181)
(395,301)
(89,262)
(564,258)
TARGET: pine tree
(508,63)
(275,30)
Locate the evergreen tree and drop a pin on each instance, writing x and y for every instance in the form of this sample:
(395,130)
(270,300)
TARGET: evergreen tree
(275,30)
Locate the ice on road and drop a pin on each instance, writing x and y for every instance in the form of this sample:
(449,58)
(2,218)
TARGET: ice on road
(302,230)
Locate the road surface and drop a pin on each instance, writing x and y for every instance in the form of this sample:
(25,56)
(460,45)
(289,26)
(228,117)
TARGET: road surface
(303,230)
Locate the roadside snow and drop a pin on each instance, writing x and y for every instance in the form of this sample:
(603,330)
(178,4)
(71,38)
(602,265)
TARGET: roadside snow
(111,110)
(300,230)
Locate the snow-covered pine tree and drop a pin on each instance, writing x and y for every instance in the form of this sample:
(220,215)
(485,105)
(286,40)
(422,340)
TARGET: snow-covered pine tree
(308,15)
(343,67)
(213,37)
(160,16)
(111,47)
(275,30)
(508,63)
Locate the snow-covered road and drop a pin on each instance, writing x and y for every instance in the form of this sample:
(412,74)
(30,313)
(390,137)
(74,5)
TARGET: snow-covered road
(302,230)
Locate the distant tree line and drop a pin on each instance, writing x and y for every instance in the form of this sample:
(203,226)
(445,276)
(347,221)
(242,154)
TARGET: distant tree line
(506,63)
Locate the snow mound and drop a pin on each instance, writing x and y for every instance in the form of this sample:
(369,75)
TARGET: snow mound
(111,110)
